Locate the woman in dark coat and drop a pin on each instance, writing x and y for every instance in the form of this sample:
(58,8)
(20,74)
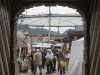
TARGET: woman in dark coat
(32,63)
(43,58)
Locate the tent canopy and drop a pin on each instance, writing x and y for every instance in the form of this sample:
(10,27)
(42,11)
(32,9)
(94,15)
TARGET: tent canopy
(76,57)
(55,21)
(42,45)
(58,44)
(59,16)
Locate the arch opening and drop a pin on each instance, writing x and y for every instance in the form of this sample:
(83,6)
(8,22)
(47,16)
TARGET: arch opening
(78,10)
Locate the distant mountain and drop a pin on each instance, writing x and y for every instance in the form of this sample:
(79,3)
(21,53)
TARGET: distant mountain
(35,31)
(65,33)
(38,31)
(24,28)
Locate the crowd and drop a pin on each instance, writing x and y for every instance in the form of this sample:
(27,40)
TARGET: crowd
(48,58)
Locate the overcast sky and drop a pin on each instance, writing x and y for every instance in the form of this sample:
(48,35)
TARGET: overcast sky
(54,10)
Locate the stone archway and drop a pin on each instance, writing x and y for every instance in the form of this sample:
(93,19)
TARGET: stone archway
(84,12)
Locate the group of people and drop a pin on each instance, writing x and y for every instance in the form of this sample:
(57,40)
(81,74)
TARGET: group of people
(48,58)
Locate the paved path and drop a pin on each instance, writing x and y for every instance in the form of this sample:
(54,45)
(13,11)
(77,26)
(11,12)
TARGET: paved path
(43,73)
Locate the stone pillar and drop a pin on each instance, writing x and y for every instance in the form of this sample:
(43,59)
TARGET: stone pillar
(15,49)
(13,45)
(86,63)
(12,65)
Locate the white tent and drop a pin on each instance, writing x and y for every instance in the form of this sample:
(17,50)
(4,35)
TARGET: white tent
(46,45)
(58,44)
(76,57)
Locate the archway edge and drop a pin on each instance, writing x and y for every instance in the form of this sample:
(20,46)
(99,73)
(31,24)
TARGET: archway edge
(19,12)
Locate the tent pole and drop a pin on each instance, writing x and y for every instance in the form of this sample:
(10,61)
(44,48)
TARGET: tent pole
(49,23)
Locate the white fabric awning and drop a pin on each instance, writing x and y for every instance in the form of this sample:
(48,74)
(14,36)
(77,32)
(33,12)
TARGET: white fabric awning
(57,15)
(76,57)
(42,45)
(55,21)
(58,44)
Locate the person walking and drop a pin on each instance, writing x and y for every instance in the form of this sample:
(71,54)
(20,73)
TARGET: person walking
(49,61)
(23,54)
(32,63)
(43,58)
(54,60)
(61,62)
(38,61)
(66,59)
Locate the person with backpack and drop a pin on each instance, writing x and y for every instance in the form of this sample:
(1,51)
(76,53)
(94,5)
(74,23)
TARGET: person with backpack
(61,62)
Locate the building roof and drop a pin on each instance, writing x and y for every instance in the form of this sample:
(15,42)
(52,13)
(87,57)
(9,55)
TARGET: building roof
(75,33)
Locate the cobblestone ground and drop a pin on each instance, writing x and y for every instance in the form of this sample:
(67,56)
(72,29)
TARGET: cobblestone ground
(43,73)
